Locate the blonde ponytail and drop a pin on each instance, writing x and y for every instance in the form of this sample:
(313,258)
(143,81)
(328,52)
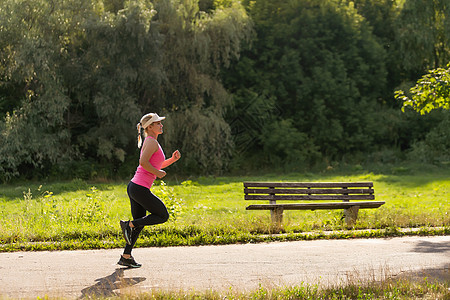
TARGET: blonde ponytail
(139,128)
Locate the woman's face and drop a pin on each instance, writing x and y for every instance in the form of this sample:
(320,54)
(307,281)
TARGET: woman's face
(156,127)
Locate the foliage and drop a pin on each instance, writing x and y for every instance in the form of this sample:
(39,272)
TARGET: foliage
(284,144)
(83,73)
(422,35)
(195,49)
(329,68)
(266,83)
(431,92)
(318,65)
(173,203)
(435,147)
(382,16)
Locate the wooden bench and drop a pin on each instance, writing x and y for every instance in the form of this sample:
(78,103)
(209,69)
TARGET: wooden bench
(306,192)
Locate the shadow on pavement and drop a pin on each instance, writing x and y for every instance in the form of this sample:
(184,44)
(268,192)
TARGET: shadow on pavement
(439,274)
(430,247)
(105,286)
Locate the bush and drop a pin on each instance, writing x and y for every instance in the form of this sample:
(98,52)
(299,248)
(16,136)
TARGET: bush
(284,145)
(435,148)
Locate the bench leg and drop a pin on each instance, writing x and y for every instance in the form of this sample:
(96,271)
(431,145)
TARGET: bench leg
(277,216)
(351,214)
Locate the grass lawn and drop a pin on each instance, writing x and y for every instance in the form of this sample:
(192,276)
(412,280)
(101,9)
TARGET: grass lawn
(210,210)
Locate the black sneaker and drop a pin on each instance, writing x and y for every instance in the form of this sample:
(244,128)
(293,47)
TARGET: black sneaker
(128,262)
(126,230)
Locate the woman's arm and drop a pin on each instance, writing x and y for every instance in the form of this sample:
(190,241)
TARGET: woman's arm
(175,156)
(150,146)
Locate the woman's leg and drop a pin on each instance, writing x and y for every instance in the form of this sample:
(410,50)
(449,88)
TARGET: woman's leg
(141,201)
(144,199)
(134,236)
(137,211)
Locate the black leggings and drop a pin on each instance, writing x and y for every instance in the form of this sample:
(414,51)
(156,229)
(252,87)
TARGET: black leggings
(141,201)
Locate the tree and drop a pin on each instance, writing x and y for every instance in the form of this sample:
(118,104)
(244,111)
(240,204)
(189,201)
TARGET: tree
(431,92)
(78,75)
(382,15)
(196,46)
(423,35)
(35,35)
(317,64)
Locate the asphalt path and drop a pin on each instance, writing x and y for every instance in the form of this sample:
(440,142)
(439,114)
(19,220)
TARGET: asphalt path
(239,268)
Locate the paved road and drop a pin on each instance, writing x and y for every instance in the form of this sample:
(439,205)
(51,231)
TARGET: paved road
(77,274)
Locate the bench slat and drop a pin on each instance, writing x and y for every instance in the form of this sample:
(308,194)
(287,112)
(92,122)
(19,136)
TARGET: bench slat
(309,197)
(308,184)
(307,191)
(313,206)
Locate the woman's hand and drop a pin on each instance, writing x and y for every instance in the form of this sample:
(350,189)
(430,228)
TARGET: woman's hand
(176,155)
(161,174)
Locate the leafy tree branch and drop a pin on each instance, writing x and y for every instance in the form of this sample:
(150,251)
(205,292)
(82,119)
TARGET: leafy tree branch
(431,92)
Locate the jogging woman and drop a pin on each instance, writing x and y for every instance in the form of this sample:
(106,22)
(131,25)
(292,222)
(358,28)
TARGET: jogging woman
(151,163)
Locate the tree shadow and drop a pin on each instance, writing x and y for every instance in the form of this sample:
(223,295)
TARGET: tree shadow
(430,247)
(438,274)
(413,179)
(106,286)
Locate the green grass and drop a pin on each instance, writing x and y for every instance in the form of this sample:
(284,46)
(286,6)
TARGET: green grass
(208,210)
(386,289)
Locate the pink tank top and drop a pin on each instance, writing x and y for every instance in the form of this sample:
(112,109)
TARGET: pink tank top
(142,176)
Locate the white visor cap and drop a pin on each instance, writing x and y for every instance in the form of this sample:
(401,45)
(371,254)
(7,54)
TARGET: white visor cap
(154,118)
